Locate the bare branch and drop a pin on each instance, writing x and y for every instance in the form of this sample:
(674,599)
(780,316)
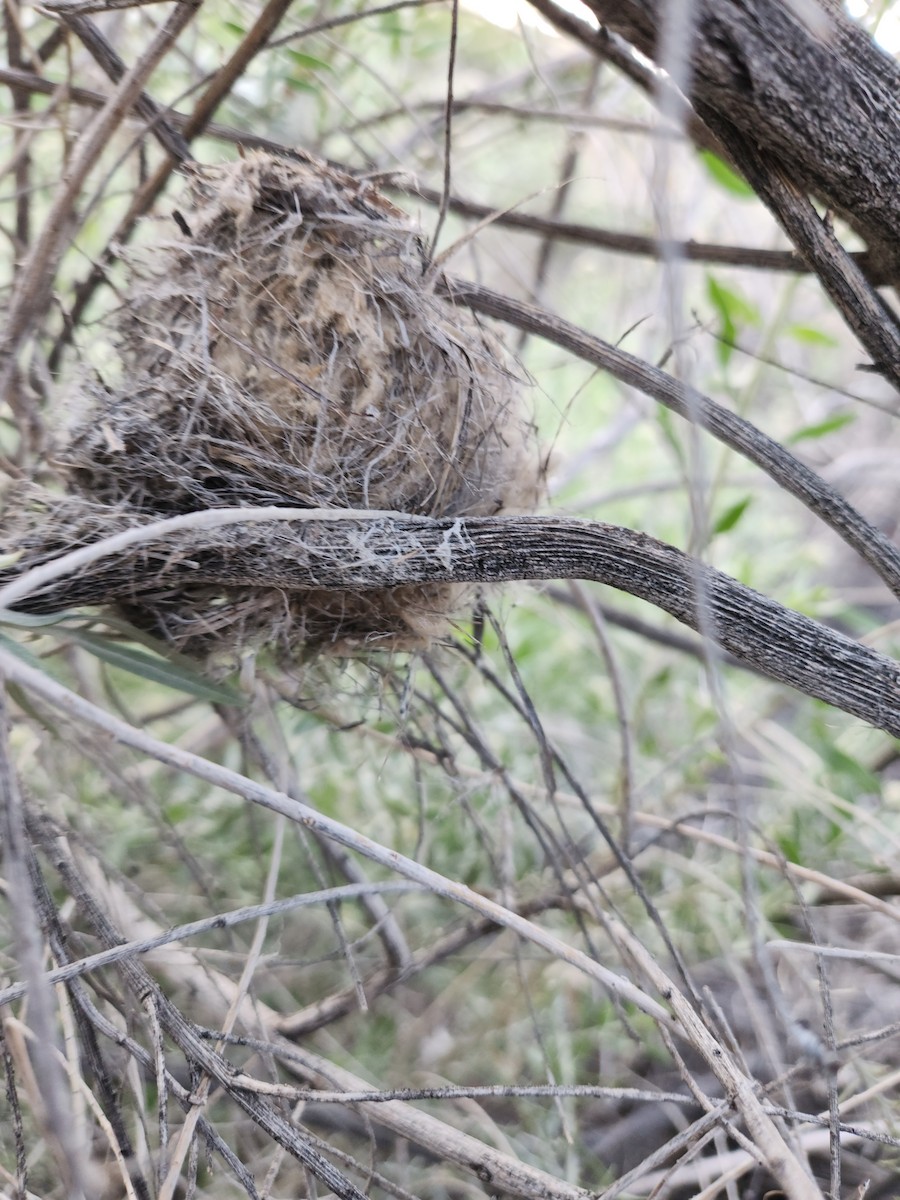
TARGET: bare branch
(342,550)
(738,433)
(36,277)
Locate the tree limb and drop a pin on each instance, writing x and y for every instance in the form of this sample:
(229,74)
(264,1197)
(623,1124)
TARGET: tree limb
(818,95)
(297,550)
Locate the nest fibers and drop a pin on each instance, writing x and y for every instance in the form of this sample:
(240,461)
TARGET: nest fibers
(290,349)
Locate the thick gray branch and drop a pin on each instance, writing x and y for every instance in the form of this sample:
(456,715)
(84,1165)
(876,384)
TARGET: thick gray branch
(819,96)
(387,551)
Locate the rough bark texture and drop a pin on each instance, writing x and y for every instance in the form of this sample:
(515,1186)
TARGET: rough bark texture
(819,96)
(388,551)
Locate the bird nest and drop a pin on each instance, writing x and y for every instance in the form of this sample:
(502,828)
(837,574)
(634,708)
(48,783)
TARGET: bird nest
(289,347)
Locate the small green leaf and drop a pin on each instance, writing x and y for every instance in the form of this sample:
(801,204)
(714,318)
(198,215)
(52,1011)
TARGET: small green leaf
(838,421)
(731,515)
(735,312)
(153,667)
(308,62)
(725,177)
(810,336)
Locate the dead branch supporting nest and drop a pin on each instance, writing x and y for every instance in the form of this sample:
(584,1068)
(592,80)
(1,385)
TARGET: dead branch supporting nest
(218,557)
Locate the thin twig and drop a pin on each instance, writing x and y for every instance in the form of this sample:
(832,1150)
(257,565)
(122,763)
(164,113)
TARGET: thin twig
(448,131)
(145,106)
(181,933)
(36,276)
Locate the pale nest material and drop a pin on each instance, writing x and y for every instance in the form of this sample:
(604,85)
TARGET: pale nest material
(289,348)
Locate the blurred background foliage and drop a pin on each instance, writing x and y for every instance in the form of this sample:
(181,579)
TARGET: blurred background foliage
(499,758)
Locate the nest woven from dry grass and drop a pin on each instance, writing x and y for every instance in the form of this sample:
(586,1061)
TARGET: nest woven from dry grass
(289,348)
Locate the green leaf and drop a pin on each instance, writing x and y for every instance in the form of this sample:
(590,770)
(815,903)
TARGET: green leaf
(725,177)
(810,336)
(735,312)
(153,667)
(308,62)
(838,421)
(731,515)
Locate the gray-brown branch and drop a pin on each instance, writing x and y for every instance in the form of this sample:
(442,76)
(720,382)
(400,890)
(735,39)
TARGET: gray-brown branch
(729,428)
(387,551)
(818,95)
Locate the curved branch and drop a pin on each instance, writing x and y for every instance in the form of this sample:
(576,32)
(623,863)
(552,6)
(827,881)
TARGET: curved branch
(734,431)
(295,550)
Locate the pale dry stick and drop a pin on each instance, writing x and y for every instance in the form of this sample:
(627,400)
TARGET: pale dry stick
(71,1053)
(210,991)
(76,708)
(80,1087)
(448,131)
(776,1154)
(783,1165)
(80,1084)
(57,1119)
(278,771)
(227,920)
(500,1091)
(156,1047)
(201,1091)
(36,276)
(864,956)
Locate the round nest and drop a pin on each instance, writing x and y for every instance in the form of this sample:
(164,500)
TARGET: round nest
(289,348)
